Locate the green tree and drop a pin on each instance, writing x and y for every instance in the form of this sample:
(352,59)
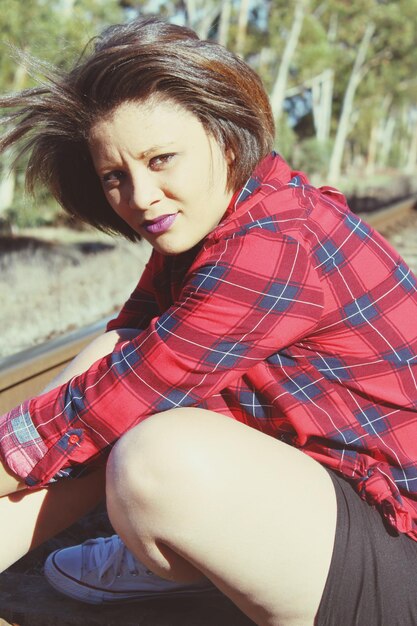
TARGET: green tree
(373,58)
(54,32)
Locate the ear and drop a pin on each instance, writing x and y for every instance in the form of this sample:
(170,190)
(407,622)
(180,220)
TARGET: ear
(230,156)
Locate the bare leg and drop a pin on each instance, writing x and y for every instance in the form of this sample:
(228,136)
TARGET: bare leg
(27,518)
(192,492)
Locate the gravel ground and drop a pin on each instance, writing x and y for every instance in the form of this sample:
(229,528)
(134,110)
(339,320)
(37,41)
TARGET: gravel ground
(61,280)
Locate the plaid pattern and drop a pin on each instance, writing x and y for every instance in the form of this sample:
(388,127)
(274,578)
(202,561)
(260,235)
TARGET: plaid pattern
(292,316)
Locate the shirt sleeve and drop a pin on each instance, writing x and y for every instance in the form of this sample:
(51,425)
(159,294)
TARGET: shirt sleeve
(142,305)
(235,309)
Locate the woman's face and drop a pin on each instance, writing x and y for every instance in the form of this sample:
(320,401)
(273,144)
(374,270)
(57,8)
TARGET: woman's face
(161,173)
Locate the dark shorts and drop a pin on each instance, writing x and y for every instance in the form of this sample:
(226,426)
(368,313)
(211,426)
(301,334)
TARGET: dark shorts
(373,574)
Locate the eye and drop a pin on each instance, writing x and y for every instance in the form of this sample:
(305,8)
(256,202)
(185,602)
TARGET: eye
(159,162)
(112,179)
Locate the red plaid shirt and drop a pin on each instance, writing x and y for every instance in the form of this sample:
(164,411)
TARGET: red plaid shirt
(292,316)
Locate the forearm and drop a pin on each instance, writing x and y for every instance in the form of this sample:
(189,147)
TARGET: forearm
(97,349)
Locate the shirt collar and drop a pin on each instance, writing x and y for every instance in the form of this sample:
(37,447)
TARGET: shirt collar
(271,162)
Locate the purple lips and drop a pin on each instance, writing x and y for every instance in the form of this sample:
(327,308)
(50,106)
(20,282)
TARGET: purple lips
(160,224)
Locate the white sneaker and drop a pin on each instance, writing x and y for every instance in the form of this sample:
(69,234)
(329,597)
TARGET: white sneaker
(103,570)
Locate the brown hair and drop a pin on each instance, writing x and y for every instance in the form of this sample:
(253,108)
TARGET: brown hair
(131,62)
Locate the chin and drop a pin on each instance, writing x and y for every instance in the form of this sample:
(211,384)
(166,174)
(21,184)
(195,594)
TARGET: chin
(167,249)
(171,249)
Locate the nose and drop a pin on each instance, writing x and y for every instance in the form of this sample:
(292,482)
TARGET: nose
(144,190)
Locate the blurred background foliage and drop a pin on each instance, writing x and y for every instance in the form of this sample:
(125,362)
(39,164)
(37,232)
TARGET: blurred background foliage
(341,75)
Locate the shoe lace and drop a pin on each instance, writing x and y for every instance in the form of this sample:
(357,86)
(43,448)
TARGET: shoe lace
(112,559)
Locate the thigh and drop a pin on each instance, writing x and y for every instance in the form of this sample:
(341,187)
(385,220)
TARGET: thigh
(373,574)
(253,514)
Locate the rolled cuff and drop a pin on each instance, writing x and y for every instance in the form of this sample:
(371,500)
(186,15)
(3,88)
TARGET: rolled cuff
(380,490)
(21,446)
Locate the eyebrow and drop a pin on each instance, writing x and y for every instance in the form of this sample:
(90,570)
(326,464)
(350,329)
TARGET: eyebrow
(109,164)
(155,148)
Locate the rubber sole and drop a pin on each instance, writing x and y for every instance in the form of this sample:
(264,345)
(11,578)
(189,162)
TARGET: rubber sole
(84,592)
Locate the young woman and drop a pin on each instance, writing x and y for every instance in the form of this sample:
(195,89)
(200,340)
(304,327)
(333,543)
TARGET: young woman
(255,401)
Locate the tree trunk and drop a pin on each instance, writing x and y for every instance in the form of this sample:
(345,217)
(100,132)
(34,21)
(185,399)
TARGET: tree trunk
(372,149)
(242,25)
(333,28)
(67,8)
(411,165)
(8,175)
(278,90)
(224,24)
(201,15)
(386,140)
(322,94)
(343,127)
(376,134)
(7,183)
(190,10)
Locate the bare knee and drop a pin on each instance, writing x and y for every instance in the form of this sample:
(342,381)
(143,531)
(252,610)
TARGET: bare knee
(150,459)
(146,474)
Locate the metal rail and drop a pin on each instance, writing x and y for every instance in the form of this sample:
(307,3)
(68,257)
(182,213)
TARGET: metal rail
(26,373)
(391,215)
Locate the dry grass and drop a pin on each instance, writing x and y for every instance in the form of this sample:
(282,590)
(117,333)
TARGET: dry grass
(52,283)
(60,281)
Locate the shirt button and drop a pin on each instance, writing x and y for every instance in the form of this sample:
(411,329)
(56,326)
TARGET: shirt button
(73,439)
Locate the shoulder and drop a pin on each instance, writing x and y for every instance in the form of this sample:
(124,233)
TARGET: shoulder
(277,201)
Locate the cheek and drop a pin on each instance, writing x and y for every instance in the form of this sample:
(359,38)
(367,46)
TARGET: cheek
(114,199)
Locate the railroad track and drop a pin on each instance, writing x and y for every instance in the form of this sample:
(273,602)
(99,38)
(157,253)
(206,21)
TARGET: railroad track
(26,373)
(390,218)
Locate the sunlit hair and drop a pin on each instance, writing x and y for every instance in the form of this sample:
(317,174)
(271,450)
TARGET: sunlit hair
(131,62)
